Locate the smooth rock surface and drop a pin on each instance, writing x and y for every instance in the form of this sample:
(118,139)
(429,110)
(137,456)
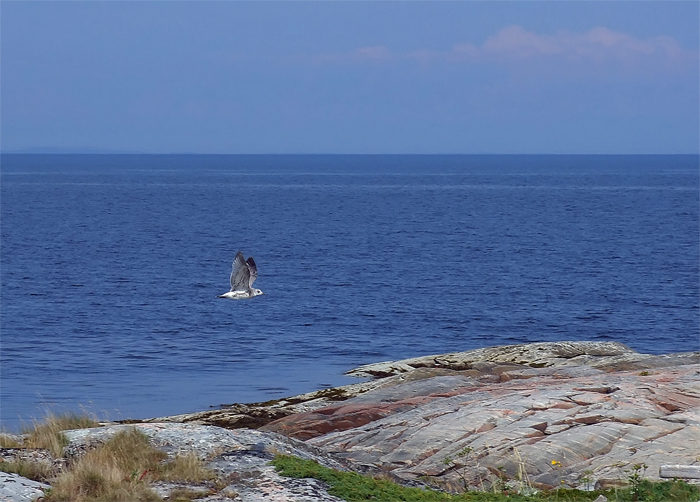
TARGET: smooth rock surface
(15,488)
(255,415)
(544,415)
(680,471)
(594,424)
(585,356)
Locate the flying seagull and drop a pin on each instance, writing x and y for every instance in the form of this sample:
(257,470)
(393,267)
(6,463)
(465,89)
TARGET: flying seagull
(243,276)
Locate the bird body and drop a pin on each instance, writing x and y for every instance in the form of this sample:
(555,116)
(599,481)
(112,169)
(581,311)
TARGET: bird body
(243,275)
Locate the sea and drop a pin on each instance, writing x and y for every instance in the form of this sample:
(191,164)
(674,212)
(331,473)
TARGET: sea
(111,266)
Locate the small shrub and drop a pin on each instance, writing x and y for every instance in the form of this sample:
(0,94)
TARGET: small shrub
(586,480)
(636,478)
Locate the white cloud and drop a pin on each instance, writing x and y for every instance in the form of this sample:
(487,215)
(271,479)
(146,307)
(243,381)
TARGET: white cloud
(514,45)
(599,44)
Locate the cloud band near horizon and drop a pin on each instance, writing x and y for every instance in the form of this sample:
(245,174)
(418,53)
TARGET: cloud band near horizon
(514,45)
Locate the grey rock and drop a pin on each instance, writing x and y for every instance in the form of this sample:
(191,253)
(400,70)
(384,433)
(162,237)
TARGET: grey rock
(590,421)
(240,458)
(680,471)
(15,488)
(252,478)
(37,455)
(205,441)
(565,359)
(255,415)
(594,408)
(607,356)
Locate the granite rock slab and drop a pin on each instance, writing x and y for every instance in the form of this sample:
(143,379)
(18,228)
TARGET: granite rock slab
(567,426)
(15,488)
(577,414)
(240,458)
(489,362)
(607,356)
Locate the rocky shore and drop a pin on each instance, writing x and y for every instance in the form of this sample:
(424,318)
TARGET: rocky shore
(577,414)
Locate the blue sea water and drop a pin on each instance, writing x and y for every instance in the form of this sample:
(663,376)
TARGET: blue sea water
(111,265)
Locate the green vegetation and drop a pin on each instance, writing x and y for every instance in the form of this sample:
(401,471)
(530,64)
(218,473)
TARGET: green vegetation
(350,485)
(354,487)
(124,468)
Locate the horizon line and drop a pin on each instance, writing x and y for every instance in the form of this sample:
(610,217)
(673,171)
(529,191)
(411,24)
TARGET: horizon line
(43,151)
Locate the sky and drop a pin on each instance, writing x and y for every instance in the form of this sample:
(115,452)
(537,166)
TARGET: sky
(350,77)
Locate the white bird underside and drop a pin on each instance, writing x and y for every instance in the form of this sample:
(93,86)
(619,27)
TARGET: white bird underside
(243,276)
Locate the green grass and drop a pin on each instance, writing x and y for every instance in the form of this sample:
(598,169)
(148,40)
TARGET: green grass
(354,487)
(350,485)
(123,468)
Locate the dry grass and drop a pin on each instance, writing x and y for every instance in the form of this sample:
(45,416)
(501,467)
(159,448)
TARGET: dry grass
(186,495)
(10,441)
(48,433)
(32,469)
(120,470)
(185,468)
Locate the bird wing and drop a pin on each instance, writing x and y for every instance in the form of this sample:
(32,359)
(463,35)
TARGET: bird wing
(253,269)
(240,275)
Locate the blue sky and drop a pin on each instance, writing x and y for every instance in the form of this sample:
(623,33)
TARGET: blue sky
(350,77)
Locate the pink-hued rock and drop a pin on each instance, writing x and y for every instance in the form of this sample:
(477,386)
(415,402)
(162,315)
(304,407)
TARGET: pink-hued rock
(370,407)
(548,426)
(541,414)
(536,415)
